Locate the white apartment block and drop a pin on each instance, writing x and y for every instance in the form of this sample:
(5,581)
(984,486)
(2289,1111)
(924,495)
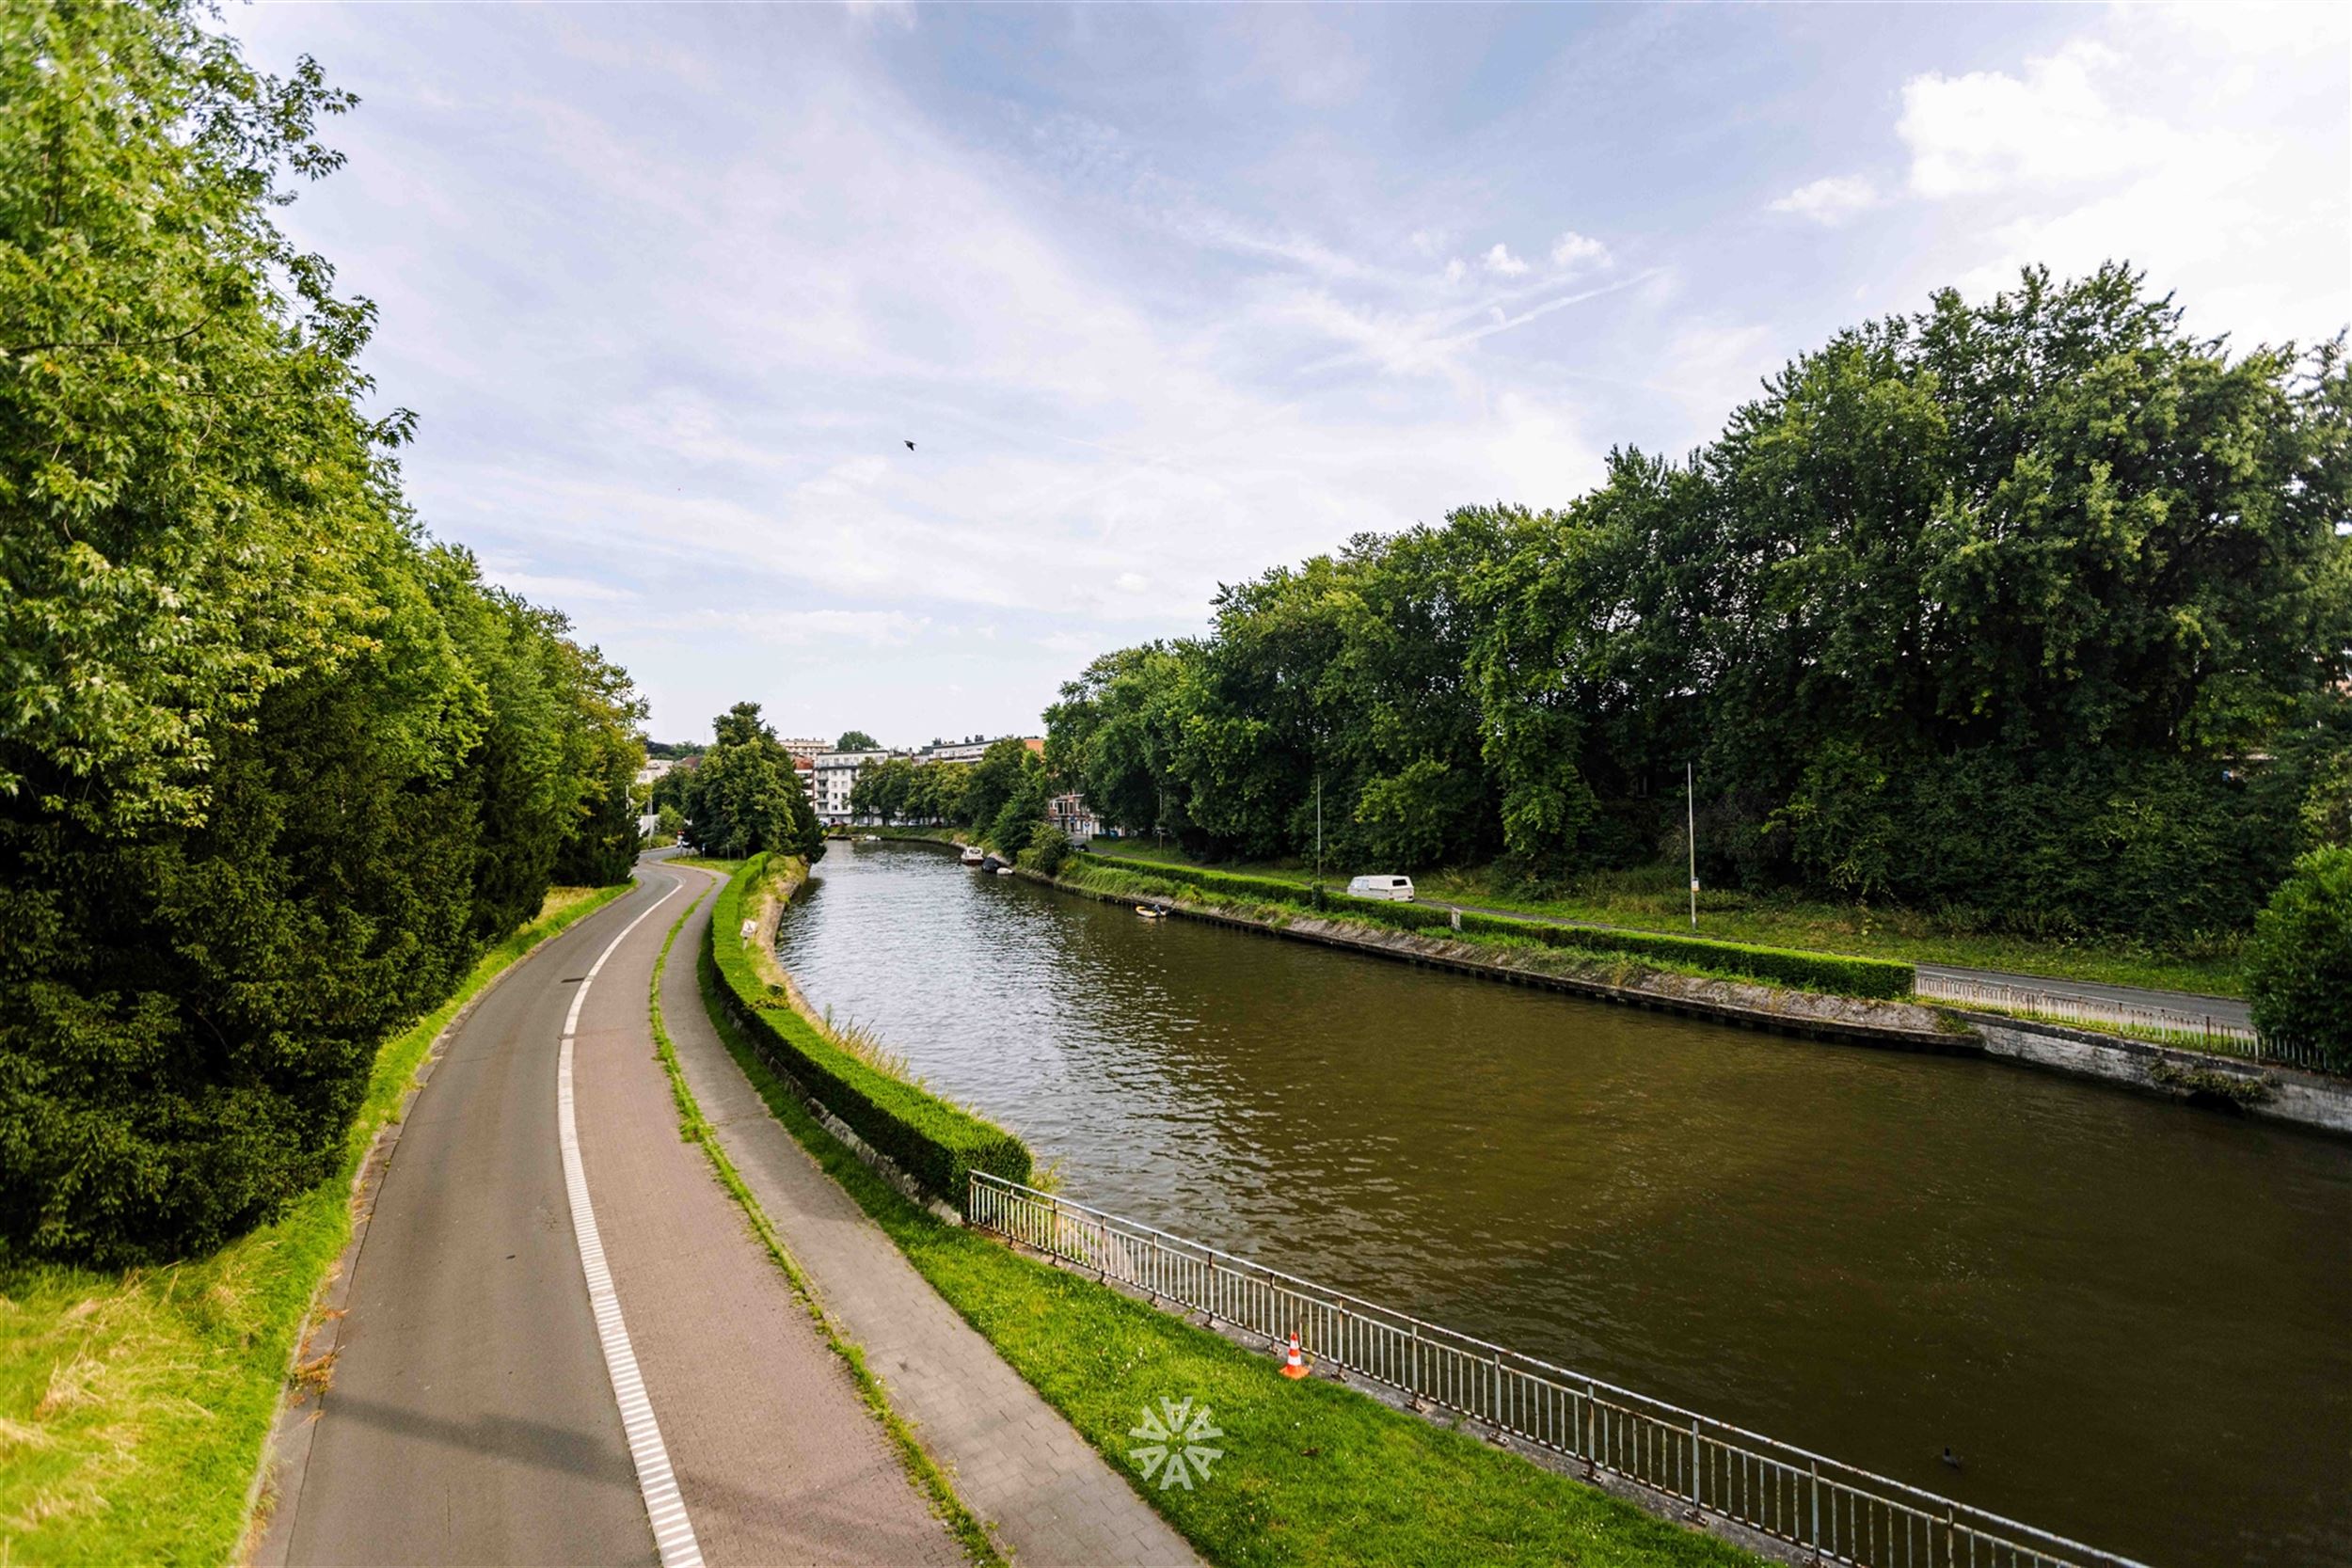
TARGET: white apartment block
(835,775)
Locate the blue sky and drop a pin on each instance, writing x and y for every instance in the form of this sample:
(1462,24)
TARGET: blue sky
(1167,296)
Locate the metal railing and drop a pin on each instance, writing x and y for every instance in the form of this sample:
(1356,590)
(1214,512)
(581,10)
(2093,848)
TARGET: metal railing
(2196,1030)
(1834,1511)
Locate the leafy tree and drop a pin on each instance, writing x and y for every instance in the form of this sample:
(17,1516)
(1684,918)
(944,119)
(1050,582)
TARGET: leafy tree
(883,788)
(2037,611)
(271,766)
(2298,966)
(994,780)
(746,797)
(856,740)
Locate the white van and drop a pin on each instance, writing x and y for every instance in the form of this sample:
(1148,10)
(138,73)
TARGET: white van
(1397,888)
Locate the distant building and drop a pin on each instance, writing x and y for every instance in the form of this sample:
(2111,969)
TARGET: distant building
(654,768)
(835,774)
(806,768)
(965,750)
(1074,817)
(803,747)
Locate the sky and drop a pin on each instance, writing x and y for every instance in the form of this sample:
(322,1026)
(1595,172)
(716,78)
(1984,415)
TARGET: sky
(1164,297)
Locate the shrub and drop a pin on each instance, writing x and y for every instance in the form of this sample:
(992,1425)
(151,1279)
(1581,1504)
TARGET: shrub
(2299,967)
(939,1144)
(1049,847)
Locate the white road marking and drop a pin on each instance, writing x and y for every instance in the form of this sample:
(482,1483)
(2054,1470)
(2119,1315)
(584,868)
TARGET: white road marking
(674,1534)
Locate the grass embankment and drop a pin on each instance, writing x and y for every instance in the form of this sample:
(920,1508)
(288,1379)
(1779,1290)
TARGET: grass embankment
(1616,958)
(1311,1472)
(1656,898)
(133,1405)
(936,1141)
(967,1529)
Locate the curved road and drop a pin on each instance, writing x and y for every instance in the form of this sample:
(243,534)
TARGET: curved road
(476,1407)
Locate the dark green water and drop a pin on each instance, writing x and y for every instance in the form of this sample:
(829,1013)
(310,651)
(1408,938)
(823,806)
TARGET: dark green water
(2133,1319)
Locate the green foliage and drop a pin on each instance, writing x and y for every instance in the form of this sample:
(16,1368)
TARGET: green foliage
(272,768)
(939,1144)
(669,822)
(2032,614)
(2299,967)
(856,740)
(1048,848)
(746,797)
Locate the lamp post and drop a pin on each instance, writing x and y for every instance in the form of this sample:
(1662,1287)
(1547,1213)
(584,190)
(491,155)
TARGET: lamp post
(1690,832)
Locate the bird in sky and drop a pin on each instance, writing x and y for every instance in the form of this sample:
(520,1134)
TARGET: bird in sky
(910,446)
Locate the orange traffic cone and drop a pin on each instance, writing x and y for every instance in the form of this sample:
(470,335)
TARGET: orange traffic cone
(1291,1365)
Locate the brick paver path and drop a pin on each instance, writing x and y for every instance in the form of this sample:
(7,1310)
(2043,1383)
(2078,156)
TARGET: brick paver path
(1015,1461)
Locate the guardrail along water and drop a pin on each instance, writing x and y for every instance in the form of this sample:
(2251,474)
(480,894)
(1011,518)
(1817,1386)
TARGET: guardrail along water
(1834,1510)
(2130,1320)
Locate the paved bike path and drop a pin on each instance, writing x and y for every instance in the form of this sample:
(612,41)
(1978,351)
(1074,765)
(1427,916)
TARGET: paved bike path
(1016,1462)
(472,1416)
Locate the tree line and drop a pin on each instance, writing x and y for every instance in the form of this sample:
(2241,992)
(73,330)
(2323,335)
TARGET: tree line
(1001,797)
(275,765)
(2036,611)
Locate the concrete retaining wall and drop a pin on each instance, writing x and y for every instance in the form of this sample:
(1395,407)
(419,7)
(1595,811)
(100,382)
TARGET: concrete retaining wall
(2281,1093)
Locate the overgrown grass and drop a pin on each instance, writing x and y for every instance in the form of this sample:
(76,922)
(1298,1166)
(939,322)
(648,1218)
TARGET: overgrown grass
(967,1529)
(133,1405)
(1656,898)
(1311,1472)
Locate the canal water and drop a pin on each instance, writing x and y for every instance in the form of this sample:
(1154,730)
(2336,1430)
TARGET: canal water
(2131,1320)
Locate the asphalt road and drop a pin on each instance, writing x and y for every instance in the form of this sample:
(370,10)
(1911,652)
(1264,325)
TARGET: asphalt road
(472,1414)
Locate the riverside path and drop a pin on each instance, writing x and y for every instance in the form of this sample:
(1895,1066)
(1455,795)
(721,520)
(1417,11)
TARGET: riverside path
(559,1341)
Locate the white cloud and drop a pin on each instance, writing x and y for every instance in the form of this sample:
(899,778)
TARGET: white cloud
(1131,582)
(1830,202)
(1455,271)
(1501,262)
(1572,249)
(1989,130)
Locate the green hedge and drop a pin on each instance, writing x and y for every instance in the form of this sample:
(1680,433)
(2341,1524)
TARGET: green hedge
(936,1142)
(1871,977)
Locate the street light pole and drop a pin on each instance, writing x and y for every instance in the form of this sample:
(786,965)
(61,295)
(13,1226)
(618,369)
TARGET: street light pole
(1690,832)
(1318,838)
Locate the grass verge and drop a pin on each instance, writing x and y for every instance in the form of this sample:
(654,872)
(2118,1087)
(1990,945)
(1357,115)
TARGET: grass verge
(1311,1472)
(967,1529)
(1655,900)
(133,1405)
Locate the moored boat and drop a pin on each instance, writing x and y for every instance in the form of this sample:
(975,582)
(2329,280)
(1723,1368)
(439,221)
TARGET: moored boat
(972,855)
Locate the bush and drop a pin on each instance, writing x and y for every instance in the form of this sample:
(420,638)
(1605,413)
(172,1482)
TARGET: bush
(939,1144)
(1049,847)
(2299,967)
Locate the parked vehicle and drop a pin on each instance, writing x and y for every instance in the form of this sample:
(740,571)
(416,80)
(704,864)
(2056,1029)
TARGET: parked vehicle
(1398,889)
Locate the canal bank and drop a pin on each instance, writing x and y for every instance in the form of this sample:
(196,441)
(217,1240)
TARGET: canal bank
(1878,1255)
(2206,1079)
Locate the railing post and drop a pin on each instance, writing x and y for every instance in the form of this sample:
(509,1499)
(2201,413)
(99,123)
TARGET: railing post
(1815,1468)
(1695,1463)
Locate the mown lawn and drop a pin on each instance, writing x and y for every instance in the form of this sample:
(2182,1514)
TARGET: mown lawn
(1656,899)
(133,1405)
(1311,1472)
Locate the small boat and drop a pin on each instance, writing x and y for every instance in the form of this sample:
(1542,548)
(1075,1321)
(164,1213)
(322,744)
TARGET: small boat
(869,838)
(1150,914)
(972,855)
(1004,871)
